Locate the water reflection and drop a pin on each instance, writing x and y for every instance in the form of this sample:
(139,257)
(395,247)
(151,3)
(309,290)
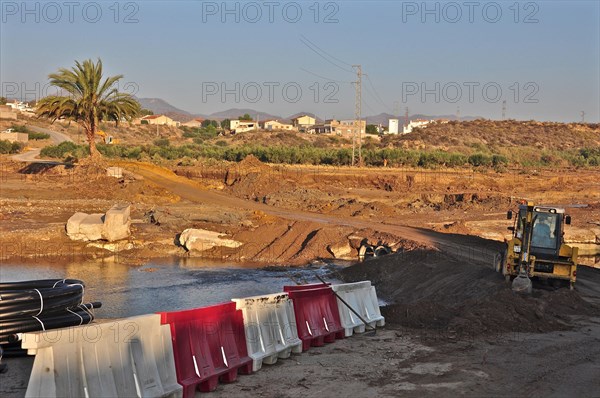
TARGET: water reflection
(162,285)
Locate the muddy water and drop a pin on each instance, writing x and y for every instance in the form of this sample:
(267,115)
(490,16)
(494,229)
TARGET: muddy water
(164,285)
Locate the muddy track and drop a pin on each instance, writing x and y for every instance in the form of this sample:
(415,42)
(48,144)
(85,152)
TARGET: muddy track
(462,246)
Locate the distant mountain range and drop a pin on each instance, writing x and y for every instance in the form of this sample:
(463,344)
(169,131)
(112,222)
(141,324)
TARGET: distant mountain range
(162,107)
(234,113)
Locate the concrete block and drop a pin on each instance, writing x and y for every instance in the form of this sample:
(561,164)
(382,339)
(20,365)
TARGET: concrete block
(73,226)
(116,172)
(117,223)
(91,226)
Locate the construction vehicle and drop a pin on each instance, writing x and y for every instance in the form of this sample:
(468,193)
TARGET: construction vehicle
(108,139)
(537,248)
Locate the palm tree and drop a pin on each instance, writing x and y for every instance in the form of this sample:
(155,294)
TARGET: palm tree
(90,101)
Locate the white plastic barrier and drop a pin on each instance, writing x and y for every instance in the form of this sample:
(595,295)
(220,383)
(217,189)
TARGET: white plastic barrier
(270,328)
(362,297)
(130,357)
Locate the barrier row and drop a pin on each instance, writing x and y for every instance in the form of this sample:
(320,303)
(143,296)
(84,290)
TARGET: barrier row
(132,357)
(174,354)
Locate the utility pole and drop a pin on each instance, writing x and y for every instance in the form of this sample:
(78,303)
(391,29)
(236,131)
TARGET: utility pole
(582,116)
(504,110)
(406,121)
(458,113)
(357,115)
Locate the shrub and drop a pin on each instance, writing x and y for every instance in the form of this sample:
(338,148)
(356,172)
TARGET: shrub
(479,159)
(7,147)
(38,136)
(591,156)
(20,129)
(162,142)
(64,149)
(499,160)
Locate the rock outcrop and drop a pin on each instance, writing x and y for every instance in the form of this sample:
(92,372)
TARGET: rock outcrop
(342,251)
(201,239)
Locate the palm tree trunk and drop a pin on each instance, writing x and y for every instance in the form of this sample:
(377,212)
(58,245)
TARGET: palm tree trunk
(91,133)
(92,144)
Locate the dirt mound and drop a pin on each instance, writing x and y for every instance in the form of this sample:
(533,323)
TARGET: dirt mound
(300,242)
(251,162)
(432,290)
(249,178)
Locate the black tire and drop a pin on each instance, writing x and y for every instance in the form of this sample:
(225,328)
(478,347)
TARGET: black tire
(499,261)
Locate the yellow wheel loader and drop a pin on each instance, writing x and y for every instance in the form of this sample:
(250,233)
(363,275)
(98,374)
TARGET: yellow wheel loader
(537,248)
(108,139)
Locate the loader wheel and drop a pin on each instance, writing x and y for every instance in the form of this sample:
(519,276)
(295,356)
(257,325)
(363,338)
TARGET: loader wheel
(498,261)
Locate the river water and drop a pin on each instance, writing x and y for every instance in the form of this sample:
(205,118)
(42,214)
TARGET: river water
(164,285)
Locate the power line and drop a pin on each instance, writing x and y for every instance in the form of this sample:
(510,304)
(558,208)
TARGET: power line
(372,95)
(337,59)
(377,97)
(365,103)
(325,78)
(320,53)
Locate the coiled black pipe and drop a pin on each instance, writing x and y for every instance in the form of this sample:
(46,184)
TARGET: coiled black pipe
(31,306)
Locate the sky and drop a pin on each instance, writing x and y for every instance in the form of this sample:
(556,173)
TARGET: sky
(284,57)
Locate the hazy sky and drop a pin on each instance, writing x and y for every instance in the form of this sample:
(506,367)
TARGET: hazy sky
(283,57)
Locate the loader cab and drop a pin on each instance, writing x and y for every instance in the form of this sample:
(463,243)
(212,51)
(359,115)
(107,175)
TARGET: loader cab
(547,230)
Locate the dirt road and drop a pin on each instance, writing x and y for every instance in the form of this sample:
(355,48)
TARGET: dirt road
(469,247)
(33,154)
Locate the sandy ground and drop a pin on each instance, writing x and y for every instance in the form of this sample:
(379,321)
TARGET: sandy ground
(453,326)
(400,361)
(396,362)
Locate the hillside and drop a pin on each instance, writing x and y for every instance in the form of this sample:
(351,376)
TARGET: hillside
(384,118)
(158,105)
(455,144)
(494,135)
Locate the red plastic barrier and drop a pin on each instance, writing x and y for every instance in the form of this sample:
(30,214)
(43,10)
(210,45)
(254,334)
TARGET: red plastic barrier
(317,314)
(288,289)
(209,345)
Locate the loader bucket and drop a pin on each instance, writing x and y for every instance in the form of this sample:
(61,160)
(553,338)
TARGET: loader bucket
(522,284)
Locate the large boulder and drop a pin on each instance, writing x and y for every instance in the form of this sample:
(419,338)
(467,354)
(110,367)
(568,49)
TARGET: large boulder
(117,223)
(342,251)
(201,239)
